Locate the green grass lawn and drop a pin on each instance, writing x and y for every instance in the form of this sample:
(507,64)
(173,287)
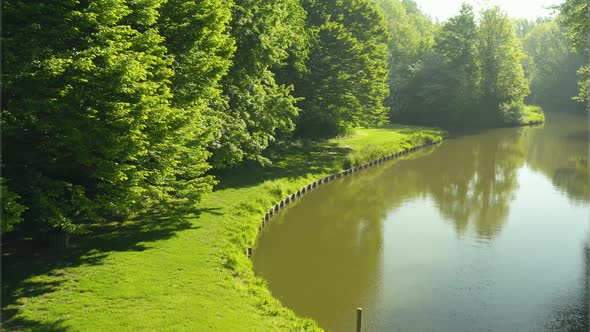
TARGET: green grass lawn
(179,273)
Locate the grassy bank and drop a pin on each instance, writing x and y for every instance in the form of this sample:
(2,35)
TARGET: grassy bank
(532,114)
(180,272)
(522,115)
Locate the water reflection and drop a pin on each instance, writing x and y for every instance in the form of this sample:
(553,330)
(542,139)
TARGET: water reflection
(346,237)
(381,238)
(478,194)
(572,314)
(560,151)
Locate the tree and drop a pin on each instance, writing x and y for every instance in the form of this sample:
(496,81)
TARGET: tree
(12,210)
(258,108)
(410,38)
(196,36)
(444,86)
(346,82)
(427,93)
(553,63)
(88,129)
(575,15)
(524,26)
(456,41)
(502,75)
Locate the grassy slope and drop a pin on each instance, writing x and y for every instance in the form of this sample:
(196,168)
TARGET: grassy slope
(186,273)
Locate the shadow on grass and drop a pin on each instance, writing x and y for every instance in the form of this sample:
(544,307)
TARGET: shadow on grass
(302,159)
(20,323)
(299,158)
(25,257)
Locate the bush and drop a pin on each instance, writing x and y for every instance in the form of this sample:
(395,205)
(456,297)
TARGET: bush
(519,114)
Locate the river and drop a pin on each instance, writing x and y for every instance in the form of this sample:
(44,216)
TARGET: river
(487,232)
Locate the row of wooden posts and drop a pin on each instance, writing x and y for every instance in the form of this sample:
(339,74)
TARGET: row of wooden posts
(305,189)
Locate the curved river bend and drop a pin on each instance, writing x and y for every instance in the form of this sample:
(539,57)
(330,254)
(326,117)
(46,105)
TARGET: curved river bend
(487,232)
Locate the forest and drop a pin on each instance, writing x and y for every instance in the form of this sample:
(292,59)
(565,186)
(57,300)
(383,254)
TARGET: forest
(115,108)
(146,143)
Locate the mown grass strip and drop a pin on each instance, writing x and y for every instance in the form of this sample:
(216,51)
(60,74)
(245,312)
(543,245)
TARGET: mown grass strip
(180,273)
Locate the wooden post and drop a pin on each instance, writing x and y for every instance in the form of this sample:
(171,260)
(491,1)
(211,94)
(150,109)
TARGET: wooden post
(359,317)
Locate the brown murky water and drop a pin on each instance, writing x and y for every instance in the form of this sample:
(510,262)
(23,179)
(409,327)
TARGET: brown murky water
(487,232)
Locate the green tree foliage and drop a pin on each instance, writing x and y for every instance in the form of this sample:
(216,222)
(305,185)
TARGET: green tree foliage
(426,94)
(503,83)
(456,41)
(88,129)
(575,16)
(524,26)
(552,64)
(196,36)
(268,35)
(410,38)
(346,82)
(471,76)
(115,107)
(444,87)
(12,210)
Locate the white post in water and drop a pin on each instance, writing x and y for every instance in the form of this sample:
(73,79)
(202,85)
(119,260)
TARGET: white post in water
(359,317)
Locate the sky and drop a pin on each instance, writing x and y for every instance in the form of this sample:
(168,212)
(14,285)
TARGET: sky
(530,9)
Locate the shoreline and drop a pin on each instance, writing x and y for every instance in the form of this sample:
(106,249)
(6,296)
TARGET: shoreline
(192,274)
(195,273)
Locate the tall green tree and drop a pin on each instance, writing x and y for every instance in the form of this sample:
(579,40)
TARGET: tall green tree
(457,42)
(444,87)
(346,82)
(410,38)
(524,26)
(503,82)
(575,16)
(88,128)
(258,107)
(196,35)
(553,64)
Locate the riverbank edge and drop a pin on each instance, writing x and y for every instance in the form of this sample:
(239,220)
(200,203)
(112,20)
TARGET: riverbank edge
(309,324)
(283,203)
(205,255)
(297,323)
(309,187)
(214,250)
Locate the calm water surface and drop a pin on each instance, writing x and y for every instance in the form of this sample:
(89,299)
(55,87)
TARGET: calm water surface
(487,232)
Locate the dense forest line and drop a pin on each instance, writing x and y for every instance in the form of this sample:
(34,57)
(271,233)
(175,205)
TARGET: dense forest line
(115,107)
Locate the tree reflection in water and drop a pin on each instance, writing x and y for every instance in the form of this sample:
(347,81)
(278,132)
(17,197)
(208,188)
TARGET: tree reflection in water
(328,246)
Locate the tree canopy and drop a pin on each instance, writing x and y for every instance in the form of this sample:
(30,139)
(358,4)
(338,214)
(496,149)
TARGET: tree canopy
(346,82)
(575,16)
(90,130)
(552,62)
(112,108)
